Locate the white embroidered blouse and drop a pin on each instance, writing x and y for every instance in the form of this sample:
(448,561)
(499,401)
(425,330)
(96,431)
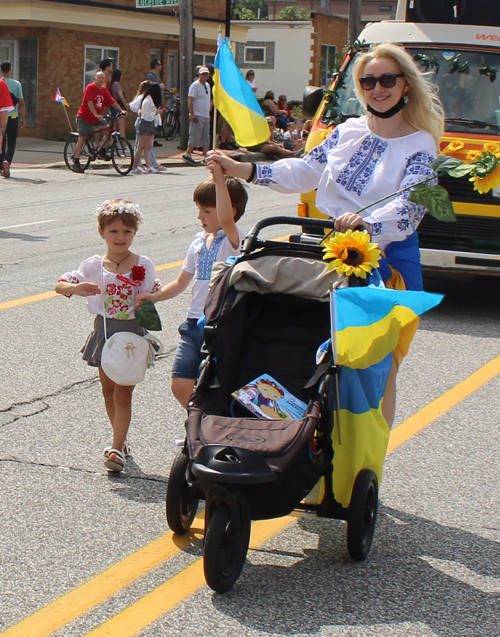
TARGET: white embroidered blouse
(353,168)
(119,290)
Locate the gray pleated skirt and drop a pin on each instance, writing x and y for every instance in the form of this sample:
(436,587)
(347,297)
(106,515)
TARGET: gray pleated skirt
(95,340)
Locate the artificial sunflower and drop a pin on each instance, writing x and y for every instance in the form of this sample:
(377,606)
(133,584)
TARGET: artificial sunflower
(486,172)
(454,146)
(492,147)
(352,253)
(472,155)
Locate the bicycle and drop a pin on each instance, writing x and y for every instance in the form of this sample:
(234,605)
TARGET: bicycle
(122,153)
(171,122)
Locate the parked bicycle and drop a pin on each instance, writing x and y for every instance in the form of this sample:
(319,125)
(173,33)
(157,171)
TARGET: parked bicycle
(122,153)
(171,122)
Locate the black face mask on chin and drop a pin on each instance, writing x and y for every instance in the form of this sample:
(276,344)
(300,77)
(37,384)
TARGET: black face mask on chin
(392,111)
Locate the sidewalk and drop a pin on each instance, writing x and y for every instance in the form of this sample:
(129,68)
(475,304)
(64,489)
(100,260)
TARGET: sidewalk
(40,153)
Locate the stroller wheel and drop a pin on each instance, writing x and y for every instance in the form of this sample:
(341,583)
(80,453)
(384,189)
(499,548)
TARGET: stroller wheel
(182,502)
(226,546)
(362,515)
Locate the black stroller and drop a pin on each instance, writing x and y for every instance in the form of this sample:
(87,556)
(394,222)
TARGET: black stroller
(266,313)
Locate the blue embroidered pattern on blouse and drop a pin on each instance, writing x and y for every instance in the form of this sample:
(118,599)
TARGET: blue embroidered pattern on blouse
(264,175)
(354,177)
(318,153)
(206,258)
(417,169)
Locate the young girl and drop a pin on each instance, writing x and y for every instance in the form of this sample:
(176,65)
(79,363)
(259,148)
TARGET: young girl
(111,284)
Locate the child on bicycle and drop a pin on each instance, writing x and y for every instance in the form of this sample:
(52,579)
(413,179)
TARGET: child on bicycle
(221,202)
(111,284)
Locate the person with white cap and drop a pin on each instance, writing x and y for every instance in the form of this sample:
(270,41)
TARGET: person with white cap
(200,98)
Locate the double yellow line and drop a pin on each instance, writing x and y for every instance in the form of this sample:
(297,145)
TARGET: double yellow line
(149,608)
(159,601)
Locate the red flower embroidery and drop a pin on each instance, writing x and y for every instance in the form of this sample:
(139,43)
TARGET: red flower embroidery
(138,273)
(111,289)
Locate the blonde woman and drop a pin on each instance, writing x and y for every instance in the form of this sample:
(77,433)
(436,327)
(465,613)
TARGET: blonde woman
(368,158)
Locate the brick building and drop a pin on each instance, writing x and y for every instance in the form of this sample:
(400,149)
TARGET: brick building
(59,43)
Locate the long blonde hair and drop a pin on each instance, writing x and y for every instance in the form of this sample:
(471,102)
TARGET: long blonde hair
(423,110)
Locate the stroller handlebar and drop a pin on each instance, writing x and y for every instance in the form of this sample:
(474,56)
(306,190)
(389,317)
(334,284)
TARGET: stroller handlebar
(251,242)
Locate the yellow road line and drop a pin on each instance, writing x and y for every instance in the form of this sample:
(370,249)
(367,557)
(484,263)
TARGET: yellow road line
(93,592)
(156,603)
(437,407)
(80,600)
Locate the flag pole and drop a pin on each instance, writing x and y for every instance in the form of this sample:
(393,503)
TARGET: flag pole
(65,111)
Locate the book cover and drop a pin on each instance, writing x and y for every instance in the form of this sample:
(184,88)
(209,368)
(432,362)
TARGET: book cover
(264,396)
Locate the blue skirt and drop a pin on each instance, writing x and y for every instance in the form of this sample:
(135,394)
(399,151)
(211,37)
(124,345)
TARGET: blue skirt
(404,257)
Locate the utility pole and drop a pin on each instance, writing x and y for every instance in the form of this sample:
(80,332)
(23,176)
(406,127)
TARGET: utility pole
(186,64)
(354,25)
(229,10)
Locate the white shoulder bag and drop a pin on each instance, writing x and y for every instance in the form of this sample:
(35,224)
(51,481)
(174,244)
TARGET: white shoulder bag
(126,356)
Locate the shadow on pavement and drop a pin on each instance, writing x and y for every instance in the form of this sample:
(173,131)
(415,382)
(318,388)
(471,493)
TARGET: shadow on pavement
(418,572)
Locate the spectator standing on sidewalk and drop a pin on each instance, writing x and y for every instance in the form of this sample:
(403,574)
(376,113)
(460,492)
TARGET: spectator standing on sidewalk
(14,122)
(107,66)
(154,77)
(154,73)
(200,98)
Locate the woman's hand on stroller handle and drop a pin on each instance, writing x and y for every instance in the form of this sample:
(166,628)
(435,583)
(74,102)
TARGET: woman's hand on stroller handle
(351,221)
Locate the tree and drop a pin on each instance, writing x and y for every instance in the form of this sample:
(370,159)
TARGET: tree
(291,13)
(250,9)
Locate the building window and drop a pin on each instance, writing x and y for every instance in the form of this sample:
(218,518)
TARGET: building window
(28,75)
(202,59)
(255,54)
(327,63)
(155,54)
(93,55)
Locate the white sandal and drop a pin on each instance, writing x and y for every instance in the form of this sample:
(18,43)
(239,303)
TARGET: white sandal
(115,460)
(127,452)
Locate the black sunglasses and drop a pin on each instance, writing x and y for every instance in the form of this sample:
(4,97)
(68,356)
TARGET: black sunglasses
(388,80)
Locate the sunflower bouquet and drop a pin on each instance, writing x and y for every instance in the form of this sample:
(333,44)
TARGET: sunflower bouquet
(352,253)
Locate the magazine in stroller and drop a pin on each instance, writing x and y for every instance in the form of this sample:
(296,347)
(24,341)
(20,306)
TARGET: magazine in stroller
(266,316)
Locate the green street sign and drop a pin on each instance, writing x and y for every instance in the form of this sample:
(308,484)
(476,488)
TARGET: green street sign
(140,4)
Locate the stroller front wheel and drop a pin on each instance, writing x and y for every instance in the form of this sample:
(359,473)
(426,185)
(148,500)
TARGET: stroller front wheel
(182,502)
(362,515)
(226,546)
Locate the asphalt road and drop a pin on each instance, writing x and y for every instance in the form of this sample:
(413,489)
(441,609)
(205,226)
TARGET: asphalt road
(434,566)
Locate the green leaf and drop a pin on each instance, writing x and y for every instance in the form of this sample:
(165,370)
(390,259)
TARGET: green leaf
(435,199)
(444,163)
(147,316)
(462,170)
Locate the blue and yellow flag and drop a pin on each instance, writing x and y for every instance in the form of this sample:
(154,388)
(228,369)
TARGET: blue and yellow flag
(370,322)
(368,325)
(236,101)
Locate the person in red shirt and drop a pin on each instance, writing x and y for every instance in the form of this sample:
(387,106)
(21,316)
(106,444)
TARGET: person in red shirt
(6,106)
(95,98)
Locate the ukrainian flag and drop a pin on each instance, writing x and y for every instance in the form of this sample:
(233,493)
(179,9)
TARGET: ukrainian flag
(369,322)
(368,325)
(234,98)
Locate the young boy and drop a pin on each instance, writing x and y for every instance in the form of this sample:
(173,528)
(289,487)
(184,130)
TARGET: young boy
(221,203)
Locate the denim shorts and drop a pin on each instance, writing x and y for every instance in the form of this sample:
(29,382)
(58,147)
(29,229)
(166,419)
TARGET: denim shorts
(187,358)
